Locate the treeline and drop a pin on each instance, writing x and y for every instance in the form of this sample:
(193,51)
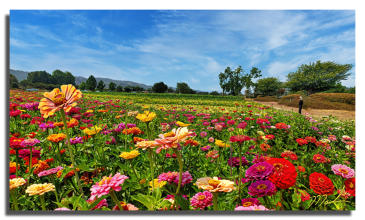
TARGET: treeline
(43,80)
(308,79)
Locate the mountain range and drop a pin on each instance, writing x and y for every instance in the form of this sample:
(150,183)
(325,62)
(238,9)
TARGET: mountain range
(22,75)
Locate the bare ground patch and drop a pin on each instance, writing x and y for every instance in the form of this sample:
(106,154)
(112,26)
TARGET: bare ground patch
(317,113)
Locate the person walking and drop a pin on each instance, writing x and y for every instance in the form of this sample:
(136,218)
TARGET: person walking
(300,104)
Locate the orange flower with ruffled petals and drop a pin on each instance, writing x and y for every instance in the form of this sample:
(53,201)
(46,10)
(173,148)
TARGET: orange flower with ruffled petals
(59,99)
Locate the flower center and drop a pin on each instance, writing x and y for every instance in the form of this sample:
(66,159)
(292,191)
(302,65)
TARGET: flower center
(201,197)
(343,170)
(59,98)
(351,185)
(260,168)
(247,204)
(321,180)
(214,183)
(104,180)
(278,166)
(262,186)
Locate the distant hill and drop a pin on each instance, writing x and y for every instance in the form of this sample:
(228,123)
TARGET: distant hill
(22,75)
(106,81)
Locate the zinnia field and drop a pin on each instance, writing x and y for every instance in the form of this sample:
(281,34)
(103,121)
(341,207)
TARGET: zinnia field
(74,151)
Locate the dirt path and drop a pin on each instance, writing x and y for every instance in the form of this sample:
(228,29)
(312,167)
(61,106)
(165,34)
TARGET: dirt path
(317,113)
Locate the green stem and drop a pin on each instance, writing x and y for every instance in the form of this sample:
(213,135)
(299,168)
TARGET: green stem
(150,153)
(43,203)
(240,172)
(180,161)
(215,201)
(115,200)
(15,201)
(133,169)
(70,150)
(16,161)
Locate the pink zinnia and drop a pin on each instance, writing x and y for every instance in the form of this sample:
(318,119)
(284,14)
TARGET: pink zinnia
(251,208)
(102,203)
(343,170)
(202,200)
(103,187)
(50,171)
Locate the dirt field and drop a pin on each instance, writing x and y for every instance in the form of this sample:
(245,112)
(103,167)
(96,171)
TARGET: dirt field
(316,113)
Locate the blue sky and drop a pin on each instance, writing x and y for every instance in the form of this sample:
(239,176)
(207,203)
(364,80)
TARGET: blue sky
(179,46)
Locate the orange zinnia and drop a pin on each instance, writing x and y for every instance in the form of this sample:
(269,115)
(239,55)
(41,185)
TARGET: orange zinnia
(59,99)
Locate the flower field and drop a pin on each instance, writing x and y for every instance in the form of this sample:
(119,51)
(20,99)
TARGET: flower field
(169,152)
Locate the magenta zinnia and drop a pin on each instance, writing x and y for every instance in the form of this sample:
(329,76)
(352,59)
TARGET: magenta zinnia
(106,184)
(262,188)
(202,200)
(259,171)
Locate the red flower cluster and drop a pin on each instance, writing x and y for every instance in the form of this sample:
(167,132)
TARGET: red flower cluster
(302,141)
(319,158)
(289,155)
(239,138)
(321,184)
(281,126)
(284,175)
(350,186)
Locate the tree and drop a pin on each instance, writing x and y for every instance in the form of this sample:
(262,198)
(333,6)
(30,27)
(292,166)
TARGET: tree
(62,78)
(39,76)
(127,89)
(101,85)
(91,83)
(170,90)
(232,82)
(214,93)
(82,86)
(318,76)
(268,86)
(14,84)
(112,86)
(159,87)
(184,88)
(119,88)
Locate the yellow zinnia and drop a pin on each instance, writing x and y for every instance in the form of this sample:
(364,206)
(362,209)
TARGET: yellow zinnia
(59,99)
(182,124)
(157,184)
(16,182)
(129,155)
(40,189)
(220,143)
(146,116)
(92,131)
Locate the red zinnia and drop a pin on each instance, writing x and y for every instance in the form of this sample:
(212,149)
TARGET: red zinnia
(281,126)
(311,139)
(350,186)
(321,184)
(301,141)
(284,175)
(239,138)
(318,158)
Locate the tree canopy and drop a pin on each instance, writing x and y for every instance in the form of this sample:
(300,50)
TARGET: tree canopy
(159,87)
(101,85)
(318,76)
(112,86)
(182,87)
(268,86)
(91,83)
(232,82)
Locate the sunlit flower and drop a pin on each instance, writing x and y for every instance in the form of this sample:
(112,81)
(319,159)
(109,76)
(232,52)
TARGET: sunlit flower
(146,116)
(181,124)
(92,131)
(56,137)
(215,185)
(40,189)
(59,99)
(220,143)
(16,182)
(173,138)
(157,183)
(146,144)
(129,155)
